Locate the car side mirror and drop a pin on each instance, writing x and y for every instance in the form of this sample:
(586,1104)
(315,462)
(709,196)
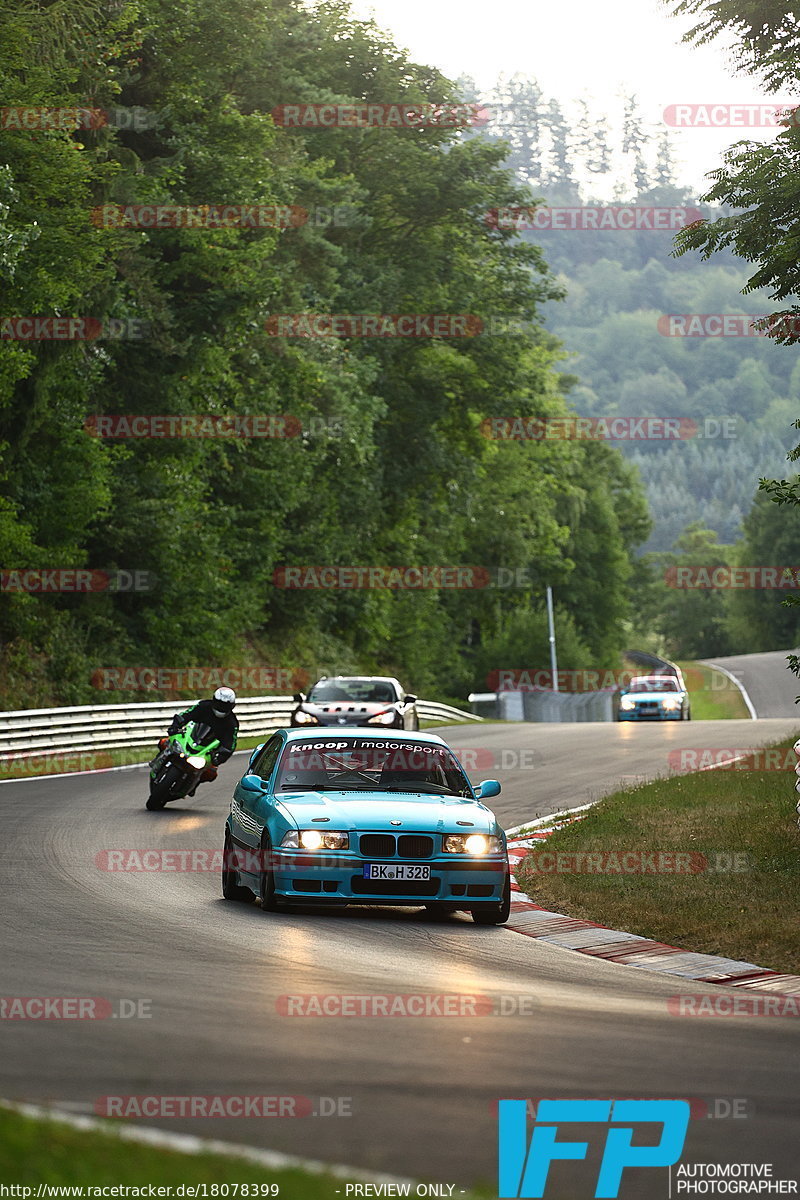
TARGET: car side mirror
(253,783)
(255,752)
(298,697)
(411,699)
(487,789)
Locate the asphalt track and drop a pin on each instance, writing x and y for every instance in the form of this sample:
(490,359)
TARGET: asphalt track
(771,686)
(421,1089)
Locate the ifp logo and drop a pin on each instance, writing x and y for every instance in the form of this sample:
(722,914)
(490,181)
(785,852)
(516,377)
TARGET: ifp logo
(523,1169)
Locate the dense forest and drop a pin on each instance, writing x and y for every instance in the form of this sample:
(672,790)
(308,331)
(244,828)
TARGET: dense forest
(737,396)
(189,250)
(373,454)
(741,392)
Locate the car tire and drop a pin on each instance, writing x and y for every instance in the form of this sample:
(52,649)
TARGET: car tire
(231,888)
(495,914)
(266,879)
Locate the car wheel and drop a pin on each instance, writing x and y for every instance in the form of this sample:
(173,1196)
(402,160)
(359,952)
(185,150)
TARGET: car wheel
(495,914)
(231,888)
(266,879)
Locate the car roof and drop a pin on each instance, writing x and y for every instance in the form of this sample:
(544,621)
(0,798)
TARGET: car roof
(357,679)
(339,732)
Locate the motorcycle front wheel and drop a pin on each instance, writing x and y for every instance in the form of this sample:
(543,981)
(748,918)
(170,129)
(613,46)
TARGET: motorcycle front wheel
(161,789)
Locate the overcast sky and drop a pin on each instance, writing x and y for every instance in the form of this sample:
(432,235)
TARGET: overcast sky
(591,48)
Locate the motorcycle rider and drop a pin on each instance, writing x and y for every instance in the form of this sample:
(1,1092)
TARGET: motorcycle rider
(218,714)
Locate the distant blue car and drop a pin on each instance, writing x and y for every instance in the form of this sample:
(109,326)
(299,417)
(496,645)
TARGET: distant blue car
(654,698)
(355,817)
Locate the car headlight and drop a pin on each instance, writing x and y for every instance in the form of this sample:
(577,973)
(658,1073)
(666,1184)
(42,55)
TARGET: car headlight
(305,718)
(195,760)
(671,702)
(316,839)
(627,704)
(472,843)
(383,718)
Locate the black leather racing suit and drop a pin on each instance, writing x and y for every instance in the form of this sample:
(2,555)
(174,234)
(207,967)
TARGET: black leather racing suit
(225,728)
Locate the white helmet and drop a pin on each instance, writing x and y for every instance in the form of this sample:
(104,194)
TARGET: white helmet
(223,701)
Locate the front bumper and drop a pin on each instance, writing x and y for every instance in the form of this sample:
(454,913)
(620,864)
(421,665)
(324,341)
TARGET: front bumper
(650,714)
(339,878)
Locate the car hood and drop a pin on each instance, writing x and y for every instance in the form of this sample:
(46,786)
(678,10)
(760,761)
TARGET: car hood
(637,696)
(377,810)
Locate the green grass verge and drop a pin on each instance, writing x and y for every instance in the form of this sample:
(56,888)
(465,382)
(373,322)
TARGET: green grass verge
(751,914)
(34,1151)
(712,695)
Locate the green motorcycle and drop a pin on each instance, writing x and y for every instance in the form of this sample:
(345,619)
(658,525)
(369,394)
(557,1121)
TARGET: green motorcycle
(183,759)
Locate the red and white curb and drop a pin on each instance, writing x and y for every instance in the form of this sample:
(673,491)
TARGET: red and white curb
(629,949)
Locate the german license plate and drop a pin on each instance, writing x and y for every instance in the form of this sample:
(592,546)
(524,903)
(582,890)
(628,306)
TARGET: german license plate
(396,871)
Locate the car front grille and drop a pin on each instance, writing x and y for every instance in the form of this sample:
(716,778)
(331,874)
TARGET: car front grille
(414,845)
(390,845)
(378,845)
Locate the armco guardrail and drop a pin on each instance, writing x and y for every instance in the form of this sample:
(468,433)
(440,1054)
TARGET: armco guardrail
(543,704)
(115,726)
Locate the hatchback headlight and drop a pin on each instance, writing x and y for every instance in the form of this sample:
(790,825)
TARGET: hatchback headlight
(627,703)
(671,702)
(472,843)
(305,718)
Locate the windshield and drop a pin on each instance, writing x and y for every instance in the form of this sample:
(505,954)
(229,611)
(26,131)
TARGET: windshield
(369,764)
(368,691)
(664,683)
